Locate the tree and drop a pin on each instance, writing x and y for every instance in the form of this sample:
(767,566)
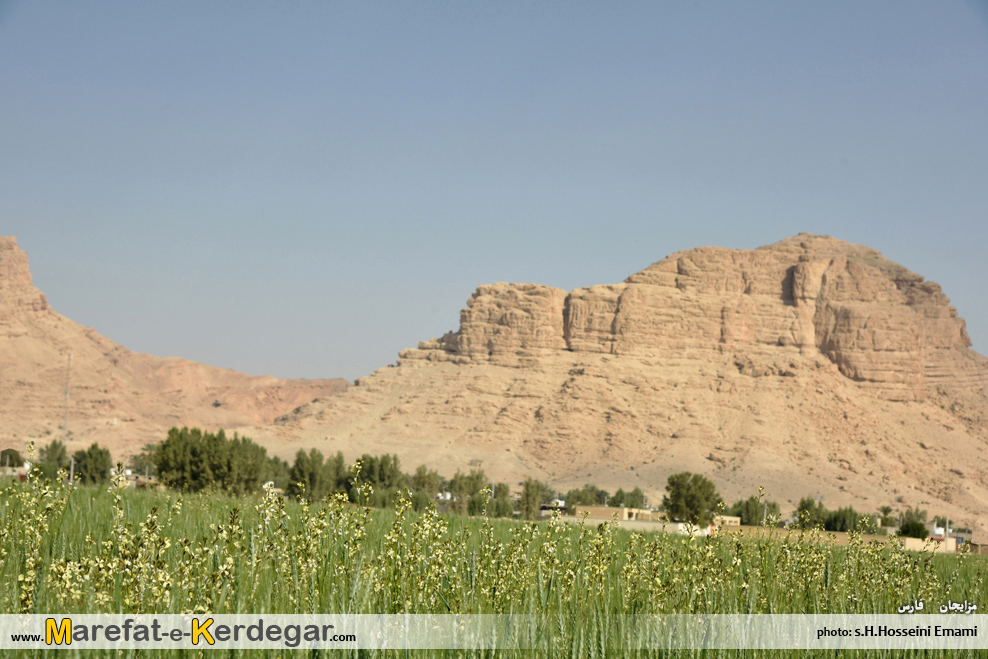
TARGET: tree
(93,465)
(11,457)
(190,459)
(810,513)
(618,500)
(53,457)
(691,498)
(533,494)
(428,481)
(502,501)
(313,478)
(142,463)
(913,529)
(635,498)
(914,515)
(588,495)
(465,489)
(753,511)
(842,519)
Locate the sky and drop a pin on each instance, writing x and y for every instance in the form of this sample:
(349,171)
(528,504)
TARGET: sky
(303,189)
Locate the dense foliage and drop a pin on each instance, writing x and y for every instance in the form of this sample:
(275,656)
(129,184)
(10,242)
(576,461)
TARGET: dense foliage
(691,498)
(193,460)
(53,457)
(93,465)
(10,457)
(754,511)
(811,513)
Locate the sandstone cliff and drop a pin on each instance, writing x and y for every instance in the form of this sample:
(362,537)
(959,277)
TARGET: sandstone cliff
(117,397)
(811,367)
(881,324)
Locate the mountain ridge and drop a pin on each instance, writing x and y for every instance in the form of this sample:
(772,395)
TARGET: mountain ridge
(812,367)
(118,397)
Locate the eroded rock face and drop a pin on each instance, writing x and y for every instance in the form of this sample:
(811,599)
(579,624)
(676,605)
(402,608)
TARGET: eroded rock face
(809,367)
(880,324)
(117,397)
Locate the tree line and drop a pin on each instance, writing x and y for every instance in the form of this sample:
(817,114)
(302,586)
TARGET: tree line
(193,460)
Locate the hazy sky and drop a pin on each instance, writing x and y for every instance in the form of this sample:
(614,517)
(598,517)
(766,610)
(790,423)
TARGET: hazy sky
(305,188)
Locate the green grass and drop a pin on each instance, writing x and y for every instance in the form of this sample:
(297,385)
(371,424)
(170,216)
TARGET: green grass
(89,550)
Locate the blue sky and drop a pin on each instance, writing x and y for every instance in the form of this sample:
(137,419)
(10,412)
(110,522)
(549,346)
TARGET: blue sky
(305,188)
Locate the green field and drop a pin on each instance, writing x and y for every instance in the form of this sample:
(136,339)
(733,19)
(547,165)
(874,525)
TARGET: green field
(93,550)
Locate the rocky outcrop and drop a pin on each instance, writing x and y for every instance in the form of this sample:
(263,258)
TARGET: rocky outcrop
(811,367)
(117,397)
(880,324)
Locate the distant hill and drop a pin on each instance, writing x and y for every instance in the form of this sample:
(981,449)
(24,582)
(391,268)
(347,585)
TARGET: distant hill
(810,367)
(119,398)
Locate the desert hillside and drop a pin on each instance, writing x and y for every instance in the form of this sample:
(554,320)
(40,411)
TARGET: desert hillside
(812,367)
(117,397)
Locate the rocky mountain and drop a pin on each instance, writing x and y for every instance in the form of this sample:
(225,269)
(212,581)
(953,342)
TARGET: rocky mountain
(117,397)
(812,367)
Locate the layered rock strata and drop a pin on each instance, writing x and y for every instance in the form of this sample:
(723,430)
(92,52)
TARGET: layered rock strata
(882,325)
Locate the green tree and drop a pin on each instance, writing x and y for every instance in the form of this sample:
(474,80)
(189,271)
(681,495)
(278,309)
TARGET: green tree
(142,463)
(193,460)
(11,457)
(914,515)
(428,481)
(465,489)
(502,501)
(276,470)
(533,494)
(619,499)
(914,529)
(636,498)
(93,465)
(842,519)
(753,511)
(691,498)
(315,478)
(53,457)
(588,495)
(810,513)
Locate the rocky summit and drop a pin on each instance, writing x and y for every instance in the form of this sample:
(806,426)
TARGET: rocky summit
(811,367)
(117,397)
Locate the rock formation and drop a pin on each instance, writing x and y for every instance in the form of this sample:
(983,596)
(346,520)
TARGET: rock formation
(811,367)
(117,397)
(881,324)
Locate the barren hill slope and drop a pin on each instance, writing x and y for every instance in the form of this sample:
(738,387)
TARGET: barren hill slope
(117,397)
(811,367)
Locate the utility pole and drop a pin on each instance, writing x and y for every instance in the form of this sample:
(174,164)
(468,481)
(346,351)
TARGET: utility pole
(68,373)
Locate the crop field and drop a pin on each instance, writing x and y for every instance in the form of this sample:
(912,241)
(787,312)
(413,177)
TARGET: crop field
(91,550)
